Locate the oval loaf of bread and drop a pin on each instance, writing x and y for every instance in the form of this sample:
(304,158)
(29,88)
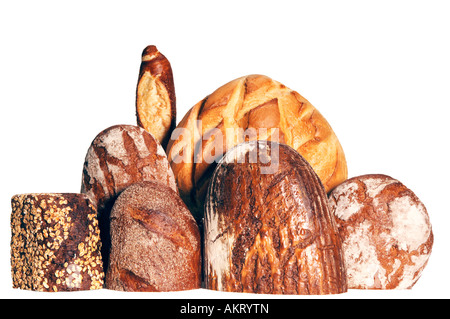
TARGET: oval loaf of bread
(268,228)
(155,95)
(252,107)
(385,231)
(155,241)
(118,157)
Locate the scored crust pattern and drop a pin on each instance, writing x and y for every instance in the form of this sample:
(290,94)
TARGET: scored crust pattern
(253,107)
(118,157)
(155,95)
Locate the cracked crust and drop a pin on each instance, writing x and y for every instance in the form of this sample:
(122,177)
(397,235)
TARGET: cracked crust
(270,233)
(155,241)
(237,112)
(385,231)
(118,157)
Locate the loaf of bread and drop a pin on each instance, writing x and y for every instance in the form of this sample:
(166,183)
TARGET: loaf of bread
(385,231)
(118,157)
(55,243)
(253,107)
(155,95)
(268,228)
(155,241)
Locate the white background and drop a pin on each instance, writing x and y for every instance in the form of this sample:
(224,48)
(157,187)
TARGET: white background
(379,71)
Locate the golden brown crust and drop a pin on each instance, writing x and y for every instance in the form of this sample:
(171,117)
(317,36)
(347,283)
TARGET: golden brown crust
(270,232)
(155,241)
(155,95)
(55,243)
(385,231)
(238,110)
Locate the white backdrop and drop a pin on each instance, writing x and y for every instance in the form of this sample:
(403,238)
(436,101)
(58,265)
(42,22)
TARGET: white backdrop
(377,70)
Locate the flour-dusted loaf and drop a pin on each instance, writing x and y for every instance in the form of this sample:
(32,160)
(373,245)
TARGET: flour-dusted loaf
(385,231)
(155,95)
(155,241)
(268,228)
(118,157)
(253,107)
(55,243)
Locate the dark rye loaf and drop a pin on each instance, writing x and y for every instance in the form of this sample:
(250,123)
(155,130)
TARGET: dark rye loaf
(55,243)
(267,225)
(155,241)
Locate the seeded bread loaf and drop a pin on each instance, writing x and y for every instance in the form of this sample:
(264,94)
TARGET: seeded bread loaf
(267,225)
(118,157)
(155,95)
(55,243)
(155,241)
(385,230)
(252,107)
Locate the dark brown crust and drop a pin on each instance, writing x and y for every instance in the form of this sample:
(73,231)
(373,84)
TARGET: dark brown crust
(159,67)
(55,243)
(155,241)
(130,282)
(118,157)
(282,236)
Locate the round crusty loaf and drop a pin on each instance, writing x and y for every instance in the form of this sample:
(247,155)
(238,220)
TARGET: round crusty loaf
(118,157)
(385,231)
(155,241)
(268,228)
(253,107)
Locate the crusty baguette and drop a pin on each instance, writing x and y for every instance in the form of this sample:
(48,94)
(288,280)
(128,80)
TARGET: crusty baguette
(268,228)
(155,95)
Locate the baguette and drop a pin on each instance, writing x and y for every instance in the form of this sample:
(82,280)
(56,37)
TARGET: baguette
(155,95)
